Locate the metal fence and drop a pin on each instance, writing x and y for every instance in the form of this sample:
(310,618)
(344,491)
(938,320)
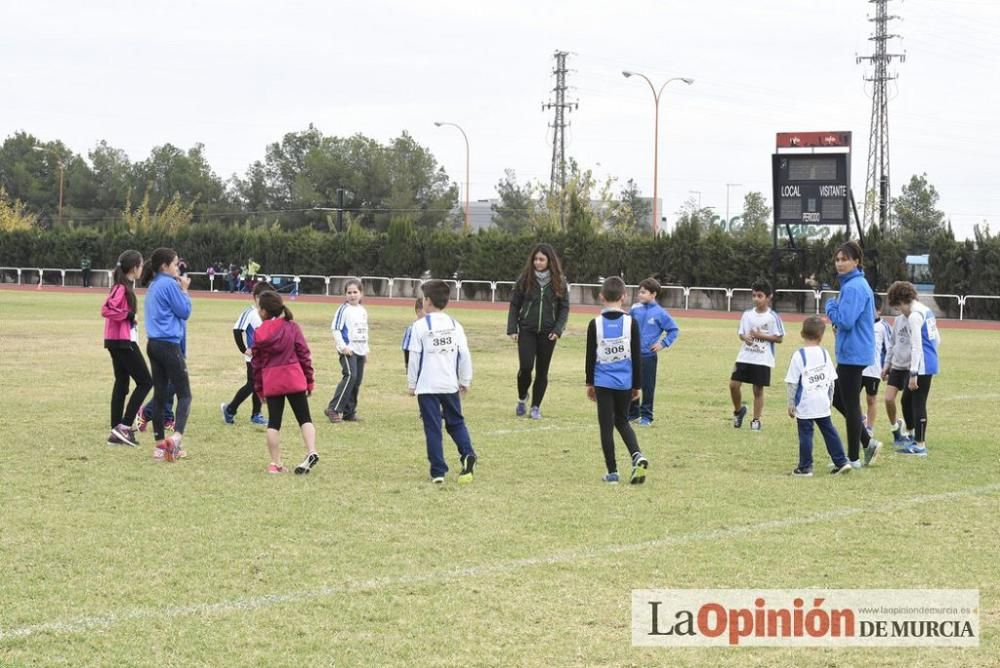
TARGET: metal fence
(678,297)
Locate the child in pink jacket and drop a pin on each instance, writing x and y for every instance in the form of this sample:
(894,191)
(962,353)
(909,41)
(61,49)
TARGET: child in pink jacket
(282,369)
(120,339)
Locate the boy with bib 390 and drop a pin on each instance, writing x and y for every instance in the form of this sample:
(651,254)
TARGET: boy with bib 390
(614,376)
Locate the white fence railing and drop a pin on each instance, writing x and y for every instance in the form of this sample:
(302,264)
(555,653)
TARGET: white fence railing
(671,296)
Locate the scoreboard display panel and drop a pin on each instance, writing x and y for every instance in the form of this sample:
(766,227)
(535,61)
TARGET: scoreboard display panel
(811,189)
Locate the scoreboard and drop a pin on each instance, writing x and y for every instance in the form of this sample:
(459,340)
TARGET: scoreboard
(811,179)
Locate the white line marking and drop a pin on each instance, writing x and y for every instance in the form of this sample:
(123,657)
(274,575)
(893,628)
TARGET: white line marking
(82,624)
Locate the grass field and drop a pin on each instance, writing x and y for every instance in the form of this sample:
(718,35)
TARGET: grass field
(112,559)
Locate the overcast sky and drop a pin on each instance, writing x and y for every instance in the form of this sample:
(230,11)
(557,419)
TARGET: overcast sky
(237,75)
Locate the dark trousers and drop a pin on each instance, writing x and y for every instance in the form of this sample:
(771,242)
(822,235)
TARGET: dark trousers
(830,437)
(434,408)
(612,413)
(915,407)
(243,393)
(847,401)
(128,364)
(534,351)
(86,279)
(644,408)
(168,365)
(276,409)
(345,397)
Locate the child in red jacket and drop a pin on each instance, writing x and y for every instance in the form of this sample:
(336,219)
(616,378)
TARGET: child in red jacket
(282,369)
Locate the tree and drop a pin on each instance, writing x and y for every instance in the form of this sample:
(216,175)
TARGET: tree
(513,212)
(757,221)
(631,211)
(918,218)
(13,215)
(169,171)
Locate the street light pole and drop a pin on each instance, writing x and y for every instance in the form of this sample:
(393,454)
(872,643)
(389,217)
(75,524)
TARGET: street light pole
(466,137)
(656,136)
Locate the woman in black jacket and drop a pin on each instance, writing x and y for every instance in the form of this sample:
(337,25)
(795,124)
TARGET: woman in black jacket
(539,309)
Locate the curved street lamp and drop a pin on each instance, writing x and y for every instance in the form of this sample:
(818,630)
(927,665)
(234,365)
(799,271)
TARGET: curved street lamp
(466,137)
(656,136)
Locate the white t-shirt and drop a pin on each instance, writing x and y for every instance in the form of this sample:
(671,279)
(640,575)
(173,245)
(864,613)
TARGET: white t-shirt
(759,352)
(812,372)
(248,322)
(883,343)
(350,329)
(440,360)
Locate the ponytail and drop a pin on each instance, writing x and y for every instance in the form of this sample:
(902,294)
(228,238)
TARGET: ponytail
(127,263)
(271,303)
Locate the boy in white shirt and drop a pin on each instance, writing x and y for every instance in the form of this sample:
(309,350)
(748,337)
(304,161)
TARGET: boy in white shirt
(438,371)
(350,335)
(871,376)
(760,329)
(810,380)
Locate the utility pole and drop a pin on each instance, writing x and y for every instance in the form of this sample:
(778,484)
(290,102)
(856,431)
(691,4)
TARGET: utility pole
(558,174)
(878,192)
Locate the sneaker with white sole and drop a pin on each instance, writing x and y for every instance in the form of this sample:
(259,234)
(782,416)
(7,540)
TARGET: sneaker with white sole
(639,466)
(913,449)
(536,413)
(871,451)
(738,417)
(843,469)
(258,419)
(307,464)
(610,478)
(125,436)
(438,480)
(755,424)
(802,472)
(468,469)
(227,417)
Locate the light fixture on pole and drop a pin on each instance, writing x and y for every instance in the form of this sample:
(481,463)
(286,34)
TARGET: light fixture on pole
(466,137)
(656,135)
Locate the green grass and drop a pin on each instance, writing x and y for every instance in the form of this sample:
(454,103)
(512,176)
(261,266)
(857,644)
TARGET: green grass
(112,559)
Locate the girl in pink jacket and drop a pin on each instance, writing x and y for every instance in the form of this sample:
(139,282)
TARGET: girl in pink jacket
(282,369)
(120,339)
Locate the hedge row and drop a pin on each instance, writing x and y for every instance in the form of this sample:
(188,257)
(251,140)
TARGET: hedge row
(688,256)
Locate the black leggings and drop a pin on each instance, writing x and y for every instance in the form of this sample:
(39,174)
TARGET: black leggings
(243,393)
(276,408)
(168,364)
(915,407)
(847,401)
(612,413)
(128,364)
(533,346)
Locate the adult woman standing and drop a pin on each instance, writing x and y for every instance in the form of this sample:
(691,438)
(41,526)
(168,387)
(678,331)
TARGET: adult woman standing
(539,309)
(852,314)
(167,308)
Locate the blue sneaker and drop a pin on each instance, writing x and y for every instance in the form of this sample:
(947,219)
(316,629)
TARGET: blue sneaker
(913,449)
(536,413)
(257,418)
(900,442)
(522,409)
(227,417)
(610,478)
(645,422)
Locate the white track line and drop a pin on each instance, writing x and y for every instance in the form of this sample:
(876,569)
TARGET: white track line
(83,624)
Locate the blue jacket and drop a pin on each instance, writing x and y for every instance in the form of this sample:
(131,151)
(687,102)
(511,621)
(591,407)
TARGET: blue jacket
(653,321)
(166,308)
(853,314)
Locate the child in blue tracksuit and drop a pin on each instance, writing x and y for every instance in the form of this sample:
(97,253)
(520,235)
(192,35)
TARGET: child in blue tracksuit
(657,330)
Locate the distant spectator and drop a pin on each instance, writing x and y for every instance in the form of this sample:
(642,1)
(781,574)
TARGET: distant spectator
(85,270)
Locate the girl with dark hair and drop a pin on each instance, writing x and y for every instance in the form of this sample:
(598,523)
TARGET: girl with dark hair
(539,309)
(121,341)
(852,314)
(167,309)
(282,369)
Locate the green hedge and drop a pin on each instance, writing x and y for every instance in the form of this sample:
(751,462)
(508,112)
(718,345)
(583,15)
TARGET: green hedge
(688,256)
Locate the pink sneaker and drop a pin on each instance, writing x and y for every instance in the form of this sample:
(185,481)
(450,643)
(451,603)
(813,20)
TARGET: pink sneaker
(170,449)
(142,420)
(274,468)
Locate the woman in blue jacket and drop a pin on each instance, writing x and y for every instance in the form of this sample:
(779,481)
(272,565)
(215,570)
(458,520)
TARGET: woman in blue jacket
(167,308)
(852,314)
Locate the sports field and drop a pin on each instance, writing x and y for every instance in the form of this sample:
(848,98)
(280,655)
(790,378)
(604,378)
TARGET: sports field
(112,559)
